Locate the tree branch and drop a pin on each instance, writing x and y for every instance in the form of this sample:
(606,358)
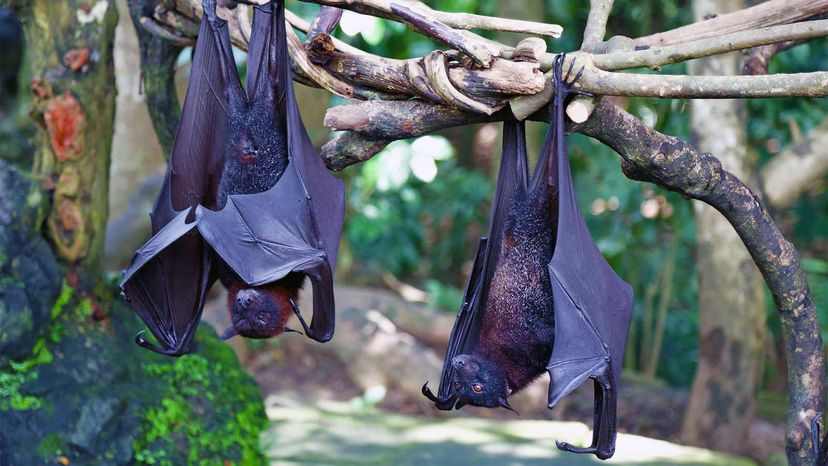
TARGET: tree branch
(797,169)
(760,57)
(657,56)
(382,9)
(764,14)
(319,44)
(675,165)
(596,25)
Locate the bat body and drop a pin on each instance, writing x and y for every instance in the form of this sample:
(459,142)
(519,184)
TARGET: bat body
(518,325)
(246,200)
(540,297)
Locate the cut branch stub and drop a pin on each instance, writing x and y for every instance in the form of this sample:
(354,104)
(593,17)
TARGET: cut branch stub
(319,44)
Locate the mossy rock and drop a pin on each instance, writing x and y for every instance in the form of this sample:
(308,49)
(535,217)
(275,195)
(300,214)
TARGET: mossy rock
(77,390)
(89,395)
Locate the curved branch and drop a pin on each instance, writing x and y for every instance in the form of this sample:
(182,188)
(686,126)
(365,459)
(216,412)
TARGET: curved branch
(675,165)
(319,43)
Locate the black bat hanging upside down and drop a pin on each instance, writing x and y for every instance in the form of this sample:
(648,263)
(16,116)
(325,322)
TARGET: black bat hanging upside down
(246,200)
(541,298)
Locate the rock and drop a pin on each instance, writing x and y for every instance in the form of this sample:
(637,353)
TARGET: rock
(91,395)
(29,277)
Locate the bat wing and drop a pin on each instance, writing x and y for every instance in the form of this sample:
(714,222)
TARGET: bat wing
(512,176)
(593,305)
(169,276)
(294,226)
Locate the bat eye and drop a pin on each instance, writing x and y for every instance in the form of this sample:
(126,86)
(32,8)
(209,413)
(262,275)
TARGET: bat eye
(477,388)
(457,385)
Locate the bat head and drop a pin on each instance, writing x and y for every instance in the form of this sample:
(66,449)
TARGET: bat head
(479,382)
(256,314)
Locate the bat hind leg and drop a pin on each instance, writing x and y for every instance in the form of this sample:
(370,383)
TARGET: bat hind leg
(604,430)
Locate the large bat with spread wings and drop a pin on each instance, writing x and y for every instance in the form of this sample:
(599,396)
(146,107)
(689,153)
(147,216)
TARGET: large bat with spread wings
(540,298)
(246,200)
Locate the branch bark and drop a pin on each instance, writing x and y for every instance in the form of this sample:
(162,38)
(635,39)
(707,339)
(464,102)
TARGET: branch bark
(673,164)
(596,25)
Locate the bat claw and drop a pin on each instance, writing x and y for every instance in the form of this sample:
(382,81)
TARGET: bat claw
(140,341)
(308,331)
(290,330)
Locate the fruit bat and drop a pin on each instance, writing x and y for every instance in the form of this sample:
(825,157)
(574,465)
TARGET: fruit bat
(246,200)
(540,296)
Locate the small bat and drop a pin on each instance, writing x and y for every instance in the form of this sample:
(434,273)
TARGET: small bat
(540,297)
(246,200)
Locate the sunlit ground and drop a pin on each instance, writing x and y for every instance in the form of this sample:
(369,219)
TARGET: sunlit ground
(340,433)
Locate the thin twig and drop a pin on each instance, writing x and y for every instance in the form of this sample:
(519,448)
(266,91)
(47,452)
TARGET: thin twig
(760,57)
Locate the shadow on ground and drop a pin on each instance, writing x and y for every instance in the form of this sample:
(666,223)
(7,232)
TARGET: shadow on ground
(334,433)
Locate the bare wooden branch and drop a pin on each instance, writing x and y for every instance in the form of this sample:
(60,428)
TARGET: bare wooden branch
(596,26)
(477,51)
(382,9)
(705,87)
(760,57)
(797,169)
(768,13)
(349,148)
(318,43)
(401,119)
(675,165)
(657,56)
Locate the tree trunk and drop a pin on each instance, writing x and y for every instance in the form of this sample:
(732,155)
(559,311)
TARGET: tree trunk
(731,296)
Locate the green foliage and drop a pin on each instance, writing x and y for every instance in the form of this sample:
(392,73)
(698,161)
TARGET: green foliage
(208,380)
(415,213)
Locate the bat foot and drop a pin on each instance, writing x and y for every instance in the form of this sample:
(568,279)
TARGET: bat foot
(564,80)
(601,453)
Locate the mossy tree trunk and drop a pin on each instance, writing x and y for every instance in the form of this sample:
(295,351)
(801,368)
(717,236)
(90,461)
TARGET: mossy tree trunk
(69,52)
(731,292)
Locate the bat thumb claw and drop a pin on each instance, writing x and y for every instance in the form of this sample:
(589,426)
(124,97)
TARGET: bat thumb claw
(228,334)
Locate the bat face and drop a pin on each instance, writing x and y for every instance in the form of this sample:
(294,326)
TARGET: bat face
(258,314)
(479,382)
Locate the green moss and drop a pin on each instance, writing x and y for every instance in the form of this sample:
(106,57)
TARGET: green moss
(52,445)
(208,385)
(66,292)
(19,373)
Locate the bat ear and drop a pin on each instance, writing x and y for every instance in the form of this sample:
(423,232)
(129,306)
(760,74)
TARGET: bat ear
(228,334)
(505,404)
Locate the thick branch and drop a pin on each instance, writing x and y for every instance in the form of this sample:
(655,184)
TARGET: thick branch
(764,14)
(797,169)
(674,165)
(657,56)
